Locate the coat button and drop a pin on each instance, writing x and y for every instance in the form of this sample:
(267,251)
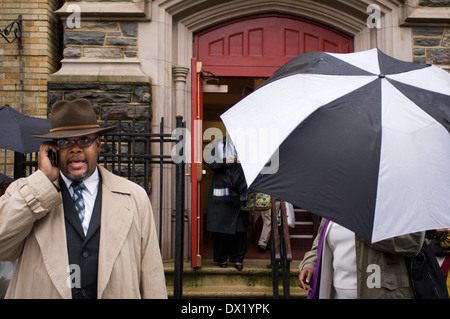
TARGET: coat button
(85,254)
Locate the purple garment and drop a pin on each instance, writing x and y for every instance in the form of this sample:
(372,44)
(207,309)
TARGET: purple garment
(315,282)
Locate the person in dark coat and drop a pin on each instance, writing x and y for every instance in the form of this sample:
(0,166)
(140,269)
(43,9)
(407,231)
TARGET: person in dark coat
(224,219)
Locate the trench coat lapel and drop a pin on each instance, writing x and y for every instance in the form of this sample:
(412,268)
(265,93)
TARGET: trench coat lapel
(116,219)
(50,233)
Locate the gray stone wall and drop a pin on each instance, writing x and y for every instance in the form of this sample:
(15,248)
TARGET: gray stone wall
(111,101)
(432,45)
(435,3)
(105,40)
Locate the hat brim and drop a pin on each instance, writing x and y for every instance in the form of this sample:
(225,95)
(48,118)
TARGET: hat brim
(76,133)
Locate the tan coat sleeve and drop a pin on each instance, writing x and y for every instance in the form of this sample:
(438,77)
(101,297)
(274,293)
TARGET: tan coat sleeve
(25,201)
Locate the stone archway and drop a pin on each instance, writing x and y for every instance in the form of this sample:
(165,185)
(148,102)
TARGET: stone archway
(190,16)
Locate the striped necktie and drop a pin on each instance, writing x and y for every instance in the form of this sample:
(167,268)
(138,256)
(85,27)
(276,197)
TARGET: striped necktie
(78,198)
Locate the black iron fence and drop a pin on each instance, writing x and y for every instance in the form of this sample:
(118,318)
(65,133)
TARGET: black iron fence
(126,151)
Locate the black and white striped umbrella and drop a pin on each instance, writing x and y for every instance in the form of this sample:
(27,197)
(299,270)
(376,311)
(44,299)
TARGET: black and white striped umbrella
(362,139)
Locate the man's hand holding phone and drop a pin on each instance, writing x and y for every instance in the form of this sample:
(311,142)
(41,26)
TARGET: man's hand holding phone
(46,160)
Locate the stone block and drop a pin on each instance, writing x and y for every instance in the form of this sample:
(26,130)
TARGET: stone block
(427,42)
(434,3)
(142,94)
(129,29)
(121,42)
(102,53)
(125,112)
(100,97)
(427,32)
(438,56)
(84,38)
(419,51)
(72,86)
(72,52)
(446,38)
(116,87)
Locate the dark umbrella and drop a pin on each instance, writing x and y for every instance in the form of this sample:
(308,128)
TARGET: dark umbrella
(17,130)
(361,139)
(5,179)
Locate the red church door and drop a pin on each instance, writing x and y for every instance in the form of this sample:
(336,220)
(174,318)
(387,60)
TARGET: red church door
(249,47)
(258,45)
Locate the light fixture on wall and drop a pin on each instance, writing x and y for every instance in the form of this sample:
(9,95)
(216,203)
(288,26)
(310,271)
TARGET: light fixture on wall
(13,31)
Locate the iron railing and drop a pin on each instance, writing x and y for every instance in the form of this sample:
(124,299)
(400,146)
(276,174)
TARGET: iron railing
(126,152)
(281,254)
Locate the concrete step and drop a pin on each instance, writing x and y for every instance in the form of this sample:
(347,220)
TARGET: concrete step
(211,281)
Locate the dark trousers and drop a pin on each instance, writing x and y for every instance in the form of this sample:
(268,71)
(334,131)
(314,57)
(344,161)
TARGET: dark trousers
(232,246)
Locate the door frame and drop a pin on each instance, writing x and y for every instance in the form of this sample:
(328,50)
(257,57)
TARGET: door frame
(196,164)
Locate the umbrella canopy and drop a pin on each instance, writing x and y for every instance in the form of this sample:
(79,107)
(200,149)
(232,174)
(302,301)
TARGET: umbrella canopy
(17,130)
(5,179)
(362,139)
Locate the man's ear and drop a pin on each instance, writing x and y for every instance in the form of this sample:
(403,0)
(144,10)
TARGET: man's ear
(98,142)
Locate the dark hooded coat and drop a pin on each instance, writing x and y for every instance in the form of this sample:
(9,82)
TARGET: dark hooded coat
(227,189)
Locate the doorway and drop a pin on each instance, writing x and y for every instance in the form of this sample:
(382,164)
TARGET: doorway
(215,104)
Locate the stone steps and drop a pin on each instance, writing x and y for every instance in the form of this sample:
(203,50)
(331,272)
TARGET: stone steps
(210,281)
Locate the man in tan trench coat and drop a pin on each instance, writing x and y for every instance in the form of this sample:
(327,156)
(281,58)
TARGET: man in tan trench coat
(34,225)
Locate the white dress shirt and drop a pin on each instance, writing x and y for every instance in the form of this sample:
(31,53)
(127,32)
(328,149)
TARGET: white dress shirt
(89,195)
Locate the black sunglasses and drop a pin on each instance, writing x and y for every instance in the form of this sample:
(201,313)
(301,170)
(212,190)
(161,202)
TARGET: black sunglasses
(82,142)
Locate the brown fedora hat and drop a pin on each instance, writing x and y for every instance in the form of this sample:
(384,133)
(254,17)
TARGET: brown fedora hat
(73,119)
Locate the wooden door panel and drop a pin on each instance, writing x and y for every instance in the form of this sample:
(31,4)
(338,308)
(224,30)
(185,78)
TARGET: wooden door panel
(257,46)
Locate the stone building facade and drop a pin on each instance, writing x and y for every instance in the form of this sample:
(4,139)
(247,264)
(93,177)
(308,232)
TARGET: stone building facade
(132,58)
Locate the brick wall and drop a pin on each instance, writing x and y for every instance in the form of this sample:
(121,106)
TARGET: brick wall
(23,73)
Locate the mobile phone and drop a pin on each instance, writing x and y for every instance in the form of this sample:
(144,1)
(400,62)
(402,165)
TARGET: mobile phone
(53,156)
